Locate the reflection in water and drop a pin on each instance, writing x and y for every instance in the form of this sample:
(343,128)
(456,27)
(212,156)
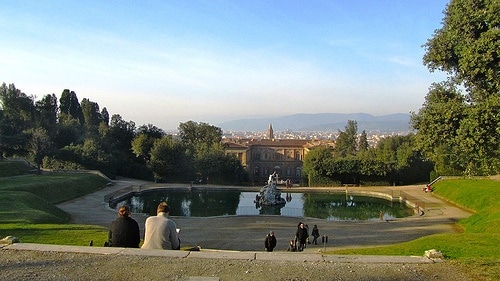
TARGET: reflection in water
(341,207)
(207,203)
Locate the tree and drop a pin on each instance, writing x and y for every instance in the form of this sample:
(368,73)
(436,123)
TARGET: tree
(193,133)
(363,142)
(69,105)
(151,131)
(121,133)
(17,106)
(437,123)
(347,143)
(315,164)
(91,115)
(144,139)
(345,169)
(467,46)
(47,110)
(478,144)
(168,159)
(39,146)
(118,142)
(18,116)
(69,131)
(465,137)
(105,116)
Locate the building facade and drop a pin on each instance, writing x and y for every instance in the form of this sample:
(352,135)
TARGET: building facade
(262,157)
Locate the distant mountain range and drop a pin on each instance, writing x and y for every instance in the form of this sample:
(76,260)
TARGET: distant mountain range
(399,123)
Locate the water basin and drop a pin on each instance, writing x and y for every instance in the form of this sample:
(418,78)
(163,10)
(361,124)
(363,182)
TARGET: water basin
(208,203)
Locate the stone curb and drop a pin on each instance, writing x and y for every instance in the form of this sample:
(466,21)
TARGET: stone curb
(216,254)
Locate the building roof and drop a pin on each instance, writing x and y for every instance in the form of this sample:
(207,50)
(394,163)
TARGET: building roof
(240,143)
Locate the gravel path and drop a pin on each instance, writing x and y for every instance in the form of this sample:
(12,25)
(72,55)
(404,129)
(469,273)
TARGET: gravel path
(35,265)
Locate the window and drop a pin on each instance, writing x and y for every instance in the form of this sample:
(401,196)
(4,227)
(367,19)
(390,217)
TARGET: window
(298,156)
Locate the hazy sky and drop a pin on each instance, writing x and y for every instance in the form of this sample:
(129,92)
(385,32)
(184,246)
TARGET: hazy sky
(165,62)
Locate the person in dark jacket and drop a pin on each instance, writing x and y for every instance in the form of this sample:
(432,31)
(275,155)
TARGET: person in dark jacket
(124,231)
(315,234)
(270,241)
(301,235)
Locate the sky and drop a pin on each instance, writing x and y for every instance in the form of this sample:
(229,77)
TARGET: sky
(165,62)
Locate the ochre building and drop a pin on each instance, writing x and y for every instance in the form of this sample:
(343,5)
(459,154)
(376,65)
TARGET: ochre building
(262,157)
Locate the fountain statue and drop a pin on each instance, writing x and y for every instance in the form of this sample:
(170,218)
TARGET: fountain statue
(269,194)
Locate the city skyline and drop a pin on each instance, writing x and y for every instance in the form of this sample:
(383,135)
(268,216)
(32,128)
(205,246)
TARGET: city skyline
(212,61)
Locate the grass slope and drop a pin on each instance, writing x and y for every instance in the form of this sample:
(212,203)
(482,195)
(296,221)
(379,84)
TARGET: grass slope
(9,168)
(27,209)
(54,187)
(476,247)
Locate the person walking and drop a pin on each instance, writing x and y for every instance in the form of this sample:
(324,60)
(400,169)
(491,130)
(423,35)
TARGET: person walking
(270,241)
(124,231)
(315,234)
(301,235)
(160,231)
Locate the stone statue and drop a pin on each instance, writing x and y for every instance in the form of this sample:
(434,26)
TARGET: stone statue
(269,194)
(272,178)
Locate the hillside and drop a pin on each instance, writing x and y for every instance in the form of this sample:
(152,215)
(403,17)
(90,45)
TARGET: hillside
(399,122)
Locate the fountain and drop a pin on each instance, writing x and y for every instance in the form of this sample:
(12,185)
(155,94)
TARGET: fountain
(269,194)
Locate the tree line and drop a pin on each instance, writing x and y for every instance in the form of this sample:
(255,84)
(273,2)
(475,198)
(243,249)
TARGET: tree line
(392,161)
(67,134)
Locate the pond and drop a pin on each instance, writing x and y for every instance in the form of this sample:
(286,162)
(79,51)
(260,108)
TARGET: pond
(209,203)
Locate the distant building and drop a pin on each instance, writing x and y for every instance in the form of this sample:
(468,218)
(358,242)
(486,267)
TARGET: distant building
(262,157)
(270,132)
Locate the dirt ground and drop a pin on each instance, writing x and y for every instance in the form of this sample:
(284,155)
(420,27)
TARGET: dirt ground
(40,265)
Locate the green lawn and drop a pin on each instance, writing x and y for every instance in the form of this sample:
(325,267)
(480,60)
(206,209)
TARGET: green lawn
(56,234)
(54,187)
(13,168)
(27,209)
(477,246)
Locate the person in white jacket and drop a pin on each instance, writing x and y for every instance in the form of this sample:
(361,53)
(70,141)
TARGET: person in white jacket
(161,232)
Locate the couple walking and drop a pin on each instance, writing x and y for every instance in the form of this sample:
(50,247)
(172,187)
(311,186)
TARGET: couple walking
(302,236)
